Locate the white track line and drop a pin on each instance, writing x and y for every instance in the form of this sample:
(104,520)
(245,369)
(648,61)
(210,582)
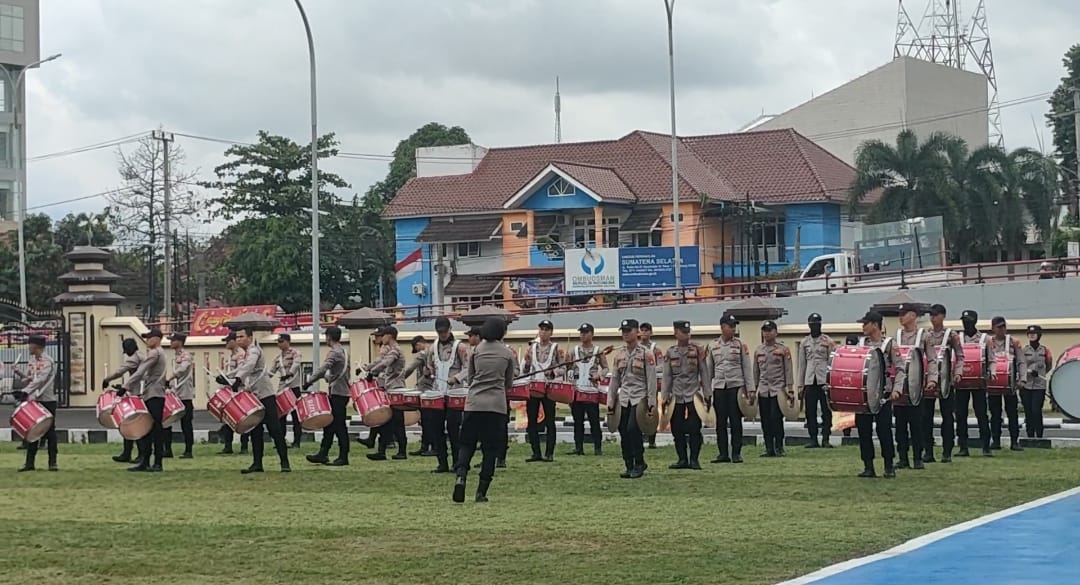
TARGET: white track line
(917,543)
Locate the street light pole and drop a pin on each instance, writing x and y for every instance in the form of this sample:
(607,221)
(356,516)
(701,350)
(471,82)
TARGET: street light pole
(315,294)
(669,5)
(19,156)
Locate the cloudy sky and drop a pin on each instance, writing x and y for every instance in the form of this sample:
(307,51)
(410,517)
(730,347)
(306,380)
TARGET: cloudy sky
(224,69)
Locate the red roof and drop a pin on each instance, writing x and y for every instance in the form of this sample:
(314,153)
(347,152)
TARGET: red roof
(773,166)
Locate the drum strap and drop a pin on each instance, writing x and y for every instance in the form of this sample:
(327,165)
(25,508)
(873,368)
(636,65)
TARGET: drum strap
(584,366)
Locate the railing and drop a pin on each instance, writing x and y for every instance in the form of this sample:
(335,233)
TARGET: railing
(955,275)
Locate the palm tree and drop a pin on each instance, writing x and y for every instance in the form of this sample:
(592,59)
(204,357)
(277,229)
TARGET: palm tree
(907,175)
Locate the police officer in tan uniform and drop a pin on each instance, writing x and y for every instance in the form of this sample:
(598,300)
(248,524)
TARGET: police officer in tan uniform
(685,376)
(976,396)
(287,368)
(182,381)
(253,375)
(772,381)
(388,370)
(909,418)
(728,361)
(335,369)
(588,366)
(1011,400)
(866,423)
(132,359)
(424,378)
(149,382)
(936,337)
(633,385)
(814,352)
(1037,362)
(649,344)
(236,355)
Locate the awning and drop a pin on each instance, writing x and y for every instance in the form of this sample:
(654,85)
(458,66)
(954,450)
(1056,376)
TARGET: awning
(641,220)
(530,271)
(472,285)
(462,229)
(542,225)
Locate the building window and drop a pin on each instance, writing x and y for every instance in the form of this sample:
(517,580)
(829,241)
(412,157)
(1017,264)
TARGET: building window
(518,228)
(648,239)
(560,188)
(769,239)
(7,205)
(584,233)
(11,28)
(469,303)
(611,232)
(468,250)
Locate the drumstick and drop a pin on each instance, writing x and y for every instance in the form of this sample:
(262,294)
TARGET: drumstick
(605,351)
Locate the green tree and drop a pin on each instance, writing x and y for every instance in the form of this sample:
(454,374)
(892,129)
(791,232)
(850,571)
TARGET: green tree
(403,167)
(44,262)
(907,175)
(1062,121)
(83,229)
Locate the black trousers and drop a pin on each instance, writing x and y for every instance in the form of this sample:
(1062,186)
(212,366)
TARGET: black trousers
(977,398)
(686,430)
(186,426)
(154,442)
(506,434)
(1033,411)
(908,430)
(633,443)
(772,422)
(49,437)
(395,429)
(440,425)
(865,423)
(482,427)
(815,395)
(1012,403)
(948,422)
(532,408)
(432,428)
(297,430)
(226,433)
(338,428)
(129,445)
(590,411)
(726,402)
(272,423)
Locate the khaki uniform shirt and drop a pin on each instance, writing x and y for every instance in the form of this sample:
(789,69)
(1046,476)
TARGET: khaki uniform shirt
(592,367)
(895,375)
(151,375)
(997,346)
(42,385)
(541,356)
(459,364)
(336,370)
(684,373)
(419,365)
(729,363)
(387,368)
(235,358)
(129,365)
(253,375)
(491,373)
(920,338)
(934,340)
(184,375)
(633,377)
(287,368)
(772,369)
(814,355)
(1037,361)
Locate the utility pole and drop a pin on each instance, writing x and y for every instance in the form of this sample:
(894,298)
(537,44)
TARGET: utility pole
(1076,147)
(166,138)
(669,5)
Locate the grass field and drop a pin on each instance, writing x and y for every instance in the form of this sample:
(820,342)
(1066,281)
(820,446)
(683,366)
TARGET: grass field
(573,521)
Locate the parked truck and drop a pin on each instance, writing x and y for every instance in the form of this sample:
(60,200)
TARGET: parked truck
(841,273)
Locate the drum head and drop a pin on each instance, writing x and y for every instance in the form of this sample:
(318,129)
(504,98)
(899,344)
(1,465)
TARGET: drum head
(378,417)
(646,422)
(317,422)
(136,427)
(748,410)
(1065,388)
(613,419)
(916,376)
(945,373)
(707,415)
(412,418)
(250,421)
(875,380)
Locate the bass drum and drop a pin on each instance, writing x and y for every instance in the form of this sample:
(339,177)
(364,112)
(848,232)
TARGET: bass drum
(945,372)
(914,365)
(856,379)
(1065,383)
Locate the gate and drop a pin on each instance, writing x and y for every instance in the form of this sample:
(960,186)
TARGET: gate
(17,324)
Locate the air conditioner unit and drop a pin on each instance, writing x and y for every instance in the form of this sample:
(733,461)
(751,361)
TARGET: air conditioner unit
(419,289)
(513,284)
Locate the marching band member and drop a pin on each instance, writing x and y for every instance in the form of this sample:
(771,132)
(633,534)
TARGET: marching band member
(589,366)
(131,363)
(236,355)
(183,382)
(814,352)
(252,374)
(491,372)
(649,344)
(874,337)
(545,358)
(976,396)
(41,386)
(633,386)
(685,376)
(388,369)
(474,337)
(501,461)
(999,345)
(772,378)
(909,418)
(728,362)
(287,368)
(449,362)
(420,351)
(937,336)
(151,377)
(1037,361)
(336,371)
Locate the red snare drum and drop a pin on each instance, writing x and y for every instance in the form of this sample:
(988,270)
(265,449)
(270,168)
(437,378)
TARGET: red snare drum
(455,398)
(217,402)
(1002,379)
(519,391)
(537,389)
(404,399)
(286,402)
(432,400)
(1065,382)
(561,392)
(105,404)
(243,412)
(173,410)
(856,379)
(913,362)
(590,396)
(411,418)
(131,416)
(372,405)
(973,375)
(314,411)
(31,420)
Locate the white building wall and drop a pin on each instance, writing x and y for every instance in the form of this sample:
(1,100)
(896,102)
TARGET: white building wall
(439,161)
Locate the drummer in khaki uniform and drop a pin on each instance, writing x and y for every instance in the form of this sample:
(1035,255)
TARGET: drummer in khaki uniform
(335,369)
(183,382)
(1037,361)
(287,368)
(814,352)
(132,359)
(41,386)
(388,369)
(685,376)
(773,380)
(937,336)
(728,361)
(633,382)
(866,423)
(1011,400)
(252,374)
(424,382)
(909,418)
(649,344)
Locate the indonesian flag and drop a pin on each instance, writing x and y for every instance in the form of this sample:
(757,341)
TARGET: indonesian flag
(409,265)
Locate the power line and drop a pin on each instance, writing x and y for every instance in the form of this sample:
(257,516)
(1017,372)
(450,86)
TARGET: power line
(90,147)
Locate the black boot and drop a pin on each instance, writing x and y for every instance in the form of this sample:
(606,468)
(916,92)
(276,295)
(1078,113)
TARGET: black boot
(443,467)
(52,462)
(341,461)
(919,464)
(629,465)
(459,489)
(319,457)
(813,444)
(638,469)
(535,457)
(963,452)
(1016,446)
(868,469)
(770,448)
(825,444)
(368,442)
(500,463)
(598,450)
(481,491)
(255,468)
(780,452)
(929,456)
(890,469)
(946,454)
(579,449)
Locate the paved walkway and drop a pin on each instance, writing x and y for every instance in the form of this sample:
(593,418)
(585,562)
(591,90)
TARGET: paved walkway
(1031,543)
